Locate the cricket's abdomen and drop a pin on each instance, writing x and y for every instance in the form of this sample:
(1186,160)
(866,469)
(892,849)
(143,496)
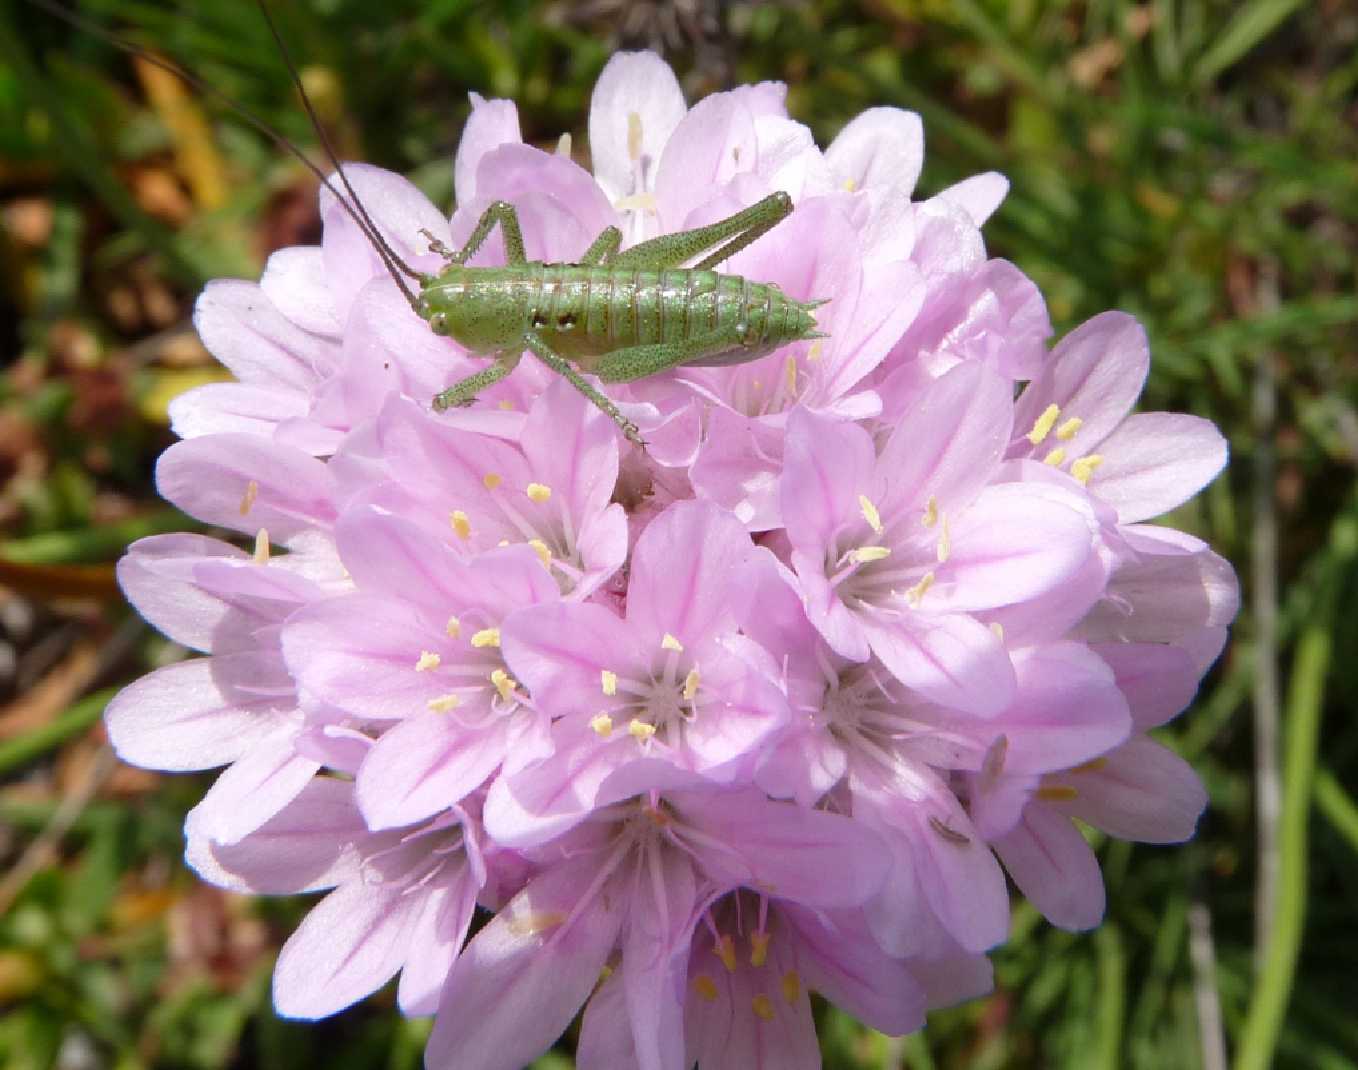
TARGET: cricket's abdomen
(585,312)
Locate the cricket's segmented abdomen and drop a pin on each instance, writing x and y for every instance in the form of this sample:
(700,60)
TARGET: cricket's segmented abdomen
(587,311)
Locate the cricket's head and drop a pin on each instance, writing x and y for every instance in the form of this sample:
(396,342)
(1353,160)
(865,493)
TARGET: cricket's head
(472,306)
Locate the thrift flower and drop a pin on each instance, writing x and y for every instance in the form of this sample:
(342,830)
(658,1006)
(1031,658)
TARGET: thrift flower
(758,711)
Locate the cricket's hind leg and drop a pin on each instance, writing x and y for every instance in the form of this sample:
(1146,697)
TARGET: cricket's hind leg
(603,249)
(737,231)
(563,367)
(464,391)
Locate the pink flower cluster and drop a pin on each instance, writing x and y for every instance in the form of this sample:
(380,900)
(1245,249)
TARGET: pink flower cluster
(767,708)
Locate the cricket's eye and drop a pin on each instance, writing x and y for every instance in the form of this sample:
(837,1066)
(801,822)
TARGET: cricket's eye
(438,323)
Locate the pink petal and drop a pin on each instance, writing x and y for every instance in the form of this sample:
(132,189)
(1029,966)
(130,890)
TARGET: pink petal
(435,940)
(631,84)
(690,575)
(808,856)
(218,408)
(605,1031)
(492,123)
(702,154)
(572,448)
(157,576)
(949,444)
(826,465)
(664,898)
(423,765)
(1095,373)
(1067,710)
(1142,791)
(1158,681)
(256,342)
(359,652)
(839,958)
(1011,545)
(294,280)
(519,982)
(951,659)
(879,147)
(347,947)
(254,788)
(1054,867)
(209,478)
(978,195)
(189,715)
(307,846)
(1155,461)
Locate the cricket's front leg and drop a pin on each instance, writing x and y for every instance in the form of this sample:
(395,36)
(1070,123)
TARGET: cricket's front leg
(464,391)
(507,216)
(563,367)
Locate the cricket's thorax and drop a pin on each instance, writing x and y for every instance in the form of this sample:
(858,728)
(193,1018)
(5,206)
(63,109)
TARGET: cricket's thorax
(585,311)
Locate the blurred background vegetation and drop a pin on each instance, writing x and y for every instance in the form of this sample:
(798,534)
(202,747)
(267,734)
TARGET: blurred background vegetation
(1194,162)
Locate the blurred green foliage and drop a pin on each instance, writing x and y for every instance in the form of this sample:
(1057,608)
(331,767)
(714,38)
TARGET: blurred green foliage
(1194,162)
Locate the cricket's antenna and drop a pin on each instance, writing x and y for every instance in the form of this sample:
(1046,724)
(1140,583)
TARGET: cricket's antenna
(325,140)
(395,267)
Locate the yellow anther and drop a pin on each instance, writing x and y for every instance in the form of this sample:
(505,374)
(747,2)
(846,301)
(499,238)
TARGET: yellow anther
(609,682)
(669,642)
(505,405)
(790,374)
(725,949)
(816,351)
(1068,430)
(850,185)
(536,923)
(762,1007)
(930,517)
(690,685)
(504,684)
(705,987)
(1083,467)
(1091,766)
(759,948)
(993,762)
(944,541)
(866,554)
(870,513)
(492,480)
(427,660)
(1043,425)
(563,145)
(1057,793)
(637,202)
(1055,457)
(997,629)
(640,730)
(460,523)
(453,628)
(486,637)
(602,724)
(544,554)
(948,833)
(914,595)
(634,136)
(444,703)
(538,492)
(251,493)
(262,547)
(792,986)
